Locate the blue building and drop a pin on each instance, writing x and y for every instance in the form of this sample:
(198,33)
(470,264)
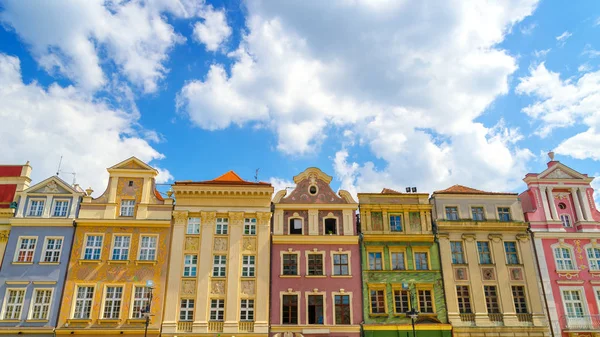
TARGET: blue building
(36,257)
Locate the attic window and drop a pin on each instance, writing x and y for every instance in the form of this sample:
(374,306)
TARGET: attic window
(130,183)
(562,205)
(312,189)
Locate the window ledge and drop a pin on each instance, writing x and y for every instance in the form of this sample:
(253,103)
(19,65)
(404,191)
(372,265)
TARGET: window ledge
(378,315)
(10,321)
(36,321)
(460,264)
(136,320)
(514,264)
(341,276)
(487,264)
(152,262)
(576,271)
(49,263)
(315,276)
(108,320)
(218,277)
(22,263)
(79,320)
(188,277)
(248,277)
(82,261)
(117,261)
(289,276)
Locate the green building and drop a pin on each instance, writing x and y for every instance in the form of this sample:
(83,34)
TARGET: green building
(400,266)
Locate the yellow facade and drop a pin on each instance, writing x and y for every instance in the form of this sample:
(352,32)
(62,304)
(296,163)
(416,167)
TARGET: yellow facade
(488,264)
(209,270)
(121,241)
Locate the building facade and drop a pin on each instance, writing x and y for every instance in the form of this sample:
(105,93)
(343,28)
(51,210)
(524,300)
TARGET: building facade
(488,264)
(13,179)
(315,272)
(560,208)
(220,259)
(36,258)
(400,266)
(121,241)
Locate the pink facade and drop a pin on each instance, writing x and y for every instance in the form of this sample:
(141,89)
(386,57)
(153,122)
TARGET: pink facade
(560,208)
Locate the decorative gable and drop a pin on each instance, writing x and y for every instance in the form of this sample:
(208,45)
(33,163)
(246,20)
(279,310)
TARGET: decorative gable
(52,185)
(132,164)
(560,171)
(312,187)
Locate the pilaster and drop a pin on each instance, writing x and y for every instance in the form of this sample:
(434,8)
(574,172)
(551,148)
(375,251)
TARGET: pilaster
(544,197)
(278,222)
(204,268)
(529,267)
(263,273)
(448,274)
(552,203)
(348,222)
(586,204)
(313,222)
(578,211)
(236,225)
(504,288)
(477,295)
(171,314)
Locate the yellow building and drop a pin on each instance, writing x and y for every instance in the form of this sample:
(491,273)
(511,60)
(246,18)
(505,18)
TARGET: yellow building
(488,264)
(121,241)
(220,258)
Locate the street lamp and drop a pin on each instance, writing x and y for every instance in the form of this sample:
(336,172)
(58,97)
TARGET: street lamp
(145,311)
(412,313)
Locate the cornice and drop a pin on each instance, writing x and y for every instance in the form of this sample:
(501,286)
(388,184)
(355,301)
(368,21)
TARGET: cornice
(566,235)
(316,239)
(45,222)
(119,222)
(398,238)
(396,207)
(290,207)
(481,226)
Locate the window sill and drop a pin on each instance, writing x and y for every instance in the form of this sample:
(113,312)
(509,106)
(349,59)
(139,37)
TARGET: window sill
(315,276)
(378,315)
(576,271)
(22,263)
(188,277)
(90,261)
(460,264)
(79,320)
(152,262)
(248,277)
(341,276)
(487,264)
(218,277)
(514,264)
(117,261)
(36,321)
(49,263)
(108,320)
(136,320)
(289,276)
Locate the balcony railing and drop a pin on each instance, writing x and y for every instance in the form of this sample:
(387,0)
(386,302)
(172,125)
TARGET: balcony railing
(467,317)
(246,326)
(215,326)
(525,317)
(496,317)
(587,322)
(184,326)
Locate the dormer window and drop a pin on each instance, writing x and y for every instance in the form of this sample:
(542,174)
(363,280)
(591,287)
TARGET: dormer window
(127,207)
(61,208)
(36,208)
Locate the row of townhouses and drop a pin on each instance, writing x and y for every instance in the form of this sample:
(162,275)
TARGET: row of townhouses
(228,257)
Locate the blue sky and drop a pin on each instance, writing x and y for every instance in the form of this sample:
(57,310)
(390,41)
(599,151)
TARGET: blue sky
(375,93)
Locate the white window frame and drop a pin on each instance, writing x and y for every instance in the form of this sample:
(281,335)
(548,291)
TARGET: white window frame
(190,268)
(143,252)
(593,262)
(250,226)
(113,300)
(26,250)
(219,267)
(47,306)
(509,211)
(40,205)
(339,252)
(489,252)
(247,310)
(20,305)
(53,250)
(571,259)
(93,248)
(120,248)
(187,309)
(597,295)
(473,217)
(193,226)
(585,308)
(222,226)
(127,209)
(66,208)
(86,300)
(562,218)
(248,265)
(516,252)
(139,302)
(219,308)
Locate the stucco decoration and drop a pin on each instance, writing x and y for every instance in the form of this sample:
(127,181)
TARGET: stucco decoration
(192,244)
(217,288)
(377,221)
(249,244)
(301,194)
(247,287)
(236,218)
(180,217)
(516,274)
(208,218)
(561,195)
(4,236)
(558,174)
(461,274)
(188,287)
(263,218)
(52,187)
(415,222)
(220,244)
(488,274)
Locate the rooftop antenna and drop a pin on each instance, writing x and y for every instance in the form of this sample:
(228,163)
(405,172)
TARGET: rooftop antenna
(256,175)
(59,171)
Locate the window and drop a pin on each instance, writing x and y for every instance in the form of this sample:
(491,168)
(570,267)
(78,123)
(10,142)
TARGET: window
(401,301)
(186,310)
(217,310)
(41,304)
(14,303)
(464,299)
(451,213)
(121,247)
(140,301)
(340,264)
(398,261)
(396,223)
(425,301)
(130,183)
(190,265)
(375,261)
(510,248)
(83,302)
(61,208)
(93,247)
(222,226)
(573,303)
(315,264)
(563,258)
(519,299)
(248,265)
(52,249)
(219,265)
(458,256)
(562,205)
(477,213)
(289,309)
(296,226)
(593,255)
(566,220)
(26,249)
(377,301)
(330,226)
(249,226)
(36,208)
(193,226)
(112,302)
(491,299)
(342,309)
(290,264)
(421,261)
(127,207)
(485,256)
(247,310)
(312,190)
(315,309)
(148,248)
(503,213)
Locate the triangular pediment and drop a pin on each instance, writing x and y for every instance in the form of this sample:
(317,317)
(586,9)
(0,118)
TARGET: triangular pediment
(229,177)
(132,164)
(52,185)
(561,171)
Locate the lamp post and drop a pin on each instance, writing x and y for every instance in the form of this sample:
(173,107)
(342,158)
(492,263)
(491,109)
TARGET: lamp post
(146,310)
(412,313)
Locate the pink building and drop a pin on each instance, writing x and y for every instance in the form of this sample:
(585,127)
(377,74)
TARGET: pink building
(560,208)
(315,261)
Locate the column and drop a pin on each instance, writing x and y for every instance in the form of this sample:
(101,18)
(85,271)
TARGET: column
(278,222)
(348,222)
(577,204)
(476,288)
(529,268)
(423,222)
(263,261)
(552,203)
(232,303)
(313,222)
(448,275)
(205,261)
(504,289)
(586,204)
(544,197)
(171,311)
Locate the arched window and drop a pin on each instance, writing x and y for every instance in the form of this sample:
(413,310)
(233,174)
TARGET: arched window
(566,220)
(563,257)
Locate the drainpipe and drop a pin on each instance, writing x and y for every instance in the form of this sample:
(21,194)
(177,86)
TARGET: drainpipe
(361,246)
(539,274)
(436,240)
(270,268)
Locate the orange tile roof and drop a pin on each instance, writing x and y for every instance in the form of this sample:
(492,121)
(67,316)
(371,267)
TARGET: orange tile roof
(460,189)
(389,191)
(229,178)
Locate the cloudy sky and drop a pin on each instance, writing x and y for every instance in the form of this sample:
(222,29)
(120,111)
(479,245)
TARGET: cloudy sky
(376,93)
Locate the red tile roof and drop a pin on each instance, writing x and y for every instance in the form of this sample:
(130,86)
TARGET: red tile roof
(389,191)
(460,189)
(10,170)
(229,178)
(7,194)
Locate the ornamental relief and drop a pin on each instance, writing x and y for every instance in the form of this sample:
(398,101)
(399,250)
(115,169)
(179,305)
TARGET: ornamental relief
(516,274)
(180,217)
(249,244)
(236,218)
(488,274)
(220,245)
(208,218)
(217,287)
(4,236)
(247,287)
(558,174)
(188,287)
(192,244)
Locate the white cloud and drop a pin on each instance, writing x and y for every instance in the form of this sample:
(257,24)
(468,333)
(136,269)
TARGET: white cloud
(214,30)
(541,53)
(584,68)
(403,76)
(562,38)
(41,124)
(590,52)
(528,29)
(280,184)
(564,103)
(596,186)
